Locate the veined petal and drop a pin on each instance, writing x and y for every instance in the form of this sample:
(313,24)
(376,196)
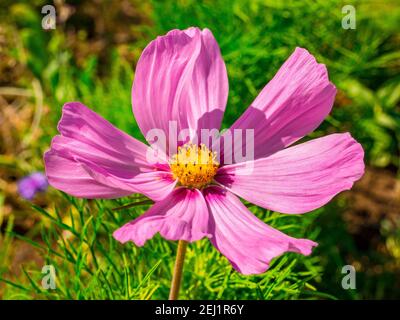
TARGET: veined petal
(183,215)
(300,178)
(290,106)
(247,242)
(93,159)
(70,176)
(180,77)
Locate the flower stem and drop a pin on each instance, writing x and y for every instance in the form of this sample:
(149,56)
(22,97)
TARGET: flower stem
(177,276)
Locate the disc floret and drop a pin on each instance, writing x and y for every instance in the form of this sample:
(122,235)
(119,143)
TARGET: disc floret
(194,165)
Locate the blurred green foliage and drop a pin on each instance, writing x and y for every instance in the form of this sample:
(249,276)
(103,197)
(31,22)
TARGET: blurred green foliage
(79,243)
(255,39)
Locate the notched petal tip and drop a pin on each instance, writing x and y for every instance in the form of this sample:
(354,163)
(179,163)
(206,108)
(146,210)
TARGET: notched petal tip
(180,77)
(183,215)
(93,159)
(68,109)
(298,179)
(247,242)
(290,106)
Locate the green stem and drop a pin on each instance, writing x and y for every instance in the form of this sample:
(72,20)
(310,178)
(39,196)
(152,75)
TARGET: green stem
(177,276)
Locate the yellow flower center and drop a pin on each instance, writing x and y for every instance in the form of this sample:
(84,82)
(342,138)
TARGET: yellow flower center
(194,166)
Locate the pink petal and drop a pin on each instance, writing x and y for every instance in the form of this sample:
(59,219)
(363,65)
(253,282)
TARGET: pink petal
(290,106)
(247,242)
(300,178)
(180,77)
(183,215)
(93,159)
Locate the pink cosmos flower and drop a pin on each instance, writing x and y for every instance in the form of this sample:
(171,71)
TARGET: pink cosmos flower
(182,77)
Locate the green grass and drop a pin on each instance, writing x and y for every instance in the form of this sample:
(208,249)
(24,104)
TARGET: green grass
(90,264)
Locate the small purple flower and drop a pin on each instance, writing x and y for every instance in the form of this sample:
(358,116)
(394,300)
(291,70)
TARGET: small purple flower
(31,184)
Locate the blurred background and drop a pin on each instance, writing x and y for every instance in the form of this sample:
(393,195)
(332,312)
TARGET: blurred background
(91,57)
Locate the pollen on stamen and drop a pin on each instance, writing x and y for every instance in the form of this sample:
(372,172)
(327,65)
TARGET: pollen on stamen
(194,165)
